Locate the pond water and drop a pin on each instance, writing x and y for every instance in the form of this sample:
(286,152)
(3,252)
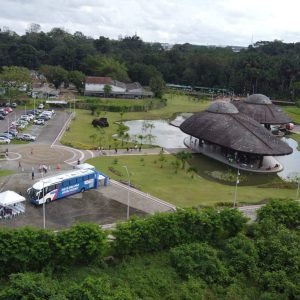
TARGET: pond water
(168,136)
(164,134)
(291,162)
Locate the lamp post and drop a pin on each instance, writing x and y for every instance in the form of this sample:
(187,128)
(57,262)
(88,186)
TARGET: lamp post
(297,194)
(44,210)
(236,185)
(128,194)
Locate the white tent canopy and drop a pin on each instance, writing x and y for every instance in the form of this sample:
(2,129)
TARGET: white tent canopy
(10,197)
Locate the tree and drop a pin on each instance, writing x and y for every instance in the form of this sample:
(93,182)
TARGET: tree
(286,213)
(201,260)
(157,85)
(54,74)
(15,76)
(183,156)
(31,286)
(107,90)
(77,78)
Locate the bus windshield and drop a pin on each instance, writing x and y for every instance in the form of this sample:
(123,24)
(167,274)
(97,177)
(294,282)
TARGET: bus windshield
(34,194)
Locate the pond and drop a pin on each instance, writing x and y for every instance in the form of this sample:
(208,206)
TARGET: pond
(164,134)
(168,136)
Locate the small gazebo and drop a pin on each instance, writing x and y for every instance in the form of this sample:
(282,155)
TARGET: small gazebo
(223,133)
(260,108)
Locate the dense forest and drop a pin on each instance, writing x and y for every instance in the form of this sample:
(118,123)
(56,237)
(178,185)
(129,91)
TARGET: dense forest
(271,68)
(191,254)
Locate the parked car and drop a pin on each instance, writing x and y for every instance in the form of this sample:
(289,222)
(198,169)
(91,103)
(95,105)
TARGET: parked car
(44,117)
(20,126)
(31,116)
(13,132)
(25,118)
(7,135)
(41,106)
(4,140)
(2,117)
(3,111)
(8,109)
(39,122)
(27,137)
(14,105)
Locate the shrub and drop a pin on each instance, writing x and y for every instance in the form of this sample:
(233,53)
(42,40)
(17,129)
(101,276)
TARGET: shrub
(166,230)
(285,212)
(199,259)
(82,243)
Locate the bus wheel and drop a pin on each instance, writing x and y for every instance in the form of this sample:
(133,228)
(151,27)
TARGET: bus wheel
(48,200)
(82,190)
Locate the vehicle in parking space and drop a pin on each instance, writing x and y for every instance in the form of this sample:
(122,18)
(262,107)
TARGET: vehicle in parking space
(13,132)
(4,140)
(2,117)
(14,105)
(39,122)
(8,109)
(44,117)
(27,137)
(41,106)
(7,104)
(25,118)
(7,135)
(20,126)
(3,111)
(31,116)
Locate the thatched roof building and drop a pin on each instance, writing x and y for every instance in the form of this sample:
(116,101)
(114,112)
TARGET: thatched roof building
(222,124)
(260,108)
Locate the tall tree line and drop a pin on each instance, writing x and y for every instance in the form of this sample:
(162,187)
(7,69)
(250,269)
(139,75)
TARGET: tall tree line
(271,68)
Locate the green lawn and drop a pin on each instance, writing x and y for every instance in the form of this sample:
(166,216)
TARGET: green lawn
(293,112)
(81,130)
(185,189)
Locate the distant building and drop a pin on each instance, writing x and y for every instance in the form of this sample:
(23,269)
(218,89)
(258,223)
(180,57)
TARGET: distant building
(94,86)
(42,90)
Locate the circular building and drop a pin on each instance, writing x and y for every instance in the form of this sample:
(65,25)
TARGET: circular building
(225,134)
(260,108)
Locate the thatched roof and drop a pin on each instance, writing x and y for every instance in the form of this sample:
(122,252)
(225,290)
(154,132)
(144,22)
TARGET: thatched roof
(260,108)
(223,125)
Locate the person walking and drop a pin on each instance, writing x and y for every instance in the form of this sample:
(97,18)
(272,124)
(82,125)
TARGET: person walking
(32,175)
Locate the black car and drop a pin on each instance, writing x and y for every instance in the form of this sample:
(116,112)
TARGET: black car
(2,117)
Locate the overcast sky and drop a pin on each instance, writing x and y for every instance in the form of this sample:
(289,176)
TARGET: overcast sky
(202,22)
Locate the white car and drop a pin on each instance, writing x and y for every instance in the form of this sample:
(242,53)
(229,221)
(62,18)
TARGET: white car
(41,106)
(27,137)
(25,117)
(4,140)
(39,122)
(31,116)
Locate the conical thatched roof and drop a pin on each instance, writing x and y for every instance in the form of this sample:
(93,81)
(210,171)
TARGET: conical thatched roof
(260,108)
(223,125)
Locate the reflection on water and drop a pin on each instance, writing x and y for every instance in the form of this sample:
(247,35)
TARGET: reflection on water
(168,136)
(291,162)
(164,134)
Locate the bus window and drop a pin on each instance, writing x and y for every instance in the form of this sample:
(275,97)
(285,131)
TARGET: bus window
(73,181)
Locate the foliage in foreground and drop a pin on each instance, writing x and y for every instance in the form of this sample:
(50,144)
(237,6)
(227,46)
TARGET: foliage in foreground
(261,262)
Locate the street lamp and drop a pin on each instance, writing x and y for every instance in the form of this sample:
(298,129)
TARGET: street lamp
(297,194)
(128,194)
(236,185)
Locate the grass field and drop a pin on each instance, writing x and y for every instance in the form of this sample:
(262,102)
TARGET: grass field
(212,184)
(84,136)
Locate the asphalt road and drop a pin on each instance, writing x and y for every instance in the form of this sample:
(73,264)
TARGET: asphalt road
(45,134)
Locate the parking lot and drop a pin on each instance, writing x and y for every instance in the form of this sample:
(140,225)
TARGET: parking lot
(44,134)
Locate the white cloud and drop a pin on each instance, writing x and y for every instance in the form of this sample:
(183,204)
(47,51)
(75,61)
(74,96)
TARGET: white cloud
(226,22)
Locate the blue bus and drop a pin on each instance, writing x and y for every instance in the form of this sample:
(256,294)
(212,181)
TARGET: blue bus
(62,185)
